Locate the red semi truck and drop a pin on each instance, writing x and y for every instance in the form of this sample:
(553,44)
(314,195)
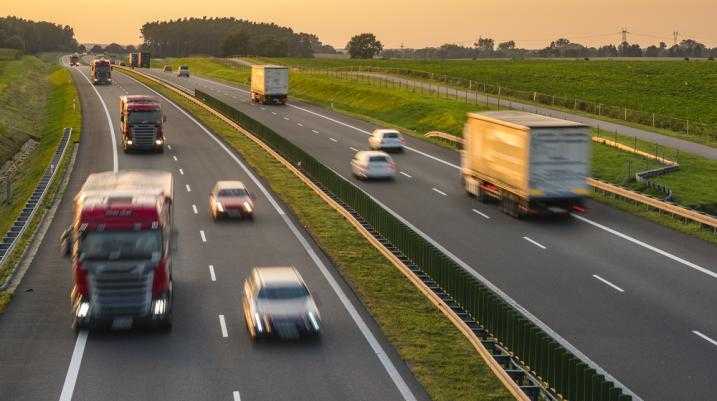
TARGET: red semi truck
(141,121)
(121,251)
(101,71)
(74,60)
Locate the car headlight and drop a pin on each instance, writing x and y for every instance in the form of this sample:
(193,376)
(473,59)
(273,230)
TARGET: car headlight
(314,320)
(247,207)
(219,206)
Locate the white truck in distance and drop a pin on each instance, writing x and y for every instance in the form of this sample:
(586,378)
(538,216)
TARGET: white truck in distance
(269,84)
(530,163)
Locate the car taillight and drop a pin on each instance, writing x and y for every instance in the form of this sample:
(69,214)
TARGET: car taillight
(161,279)
(81,280)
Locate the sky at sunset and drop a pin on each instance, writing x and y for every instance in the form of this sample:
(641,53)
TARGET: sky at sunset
(413,23)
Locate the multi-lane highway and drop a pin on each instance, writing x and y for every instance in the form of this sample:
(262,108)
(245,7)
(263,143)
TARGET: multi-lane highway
(208,355)
(633,296)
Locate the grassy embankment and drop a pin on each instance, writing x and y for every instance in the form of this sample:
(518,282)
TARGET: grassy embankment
(438,355)
(40,99)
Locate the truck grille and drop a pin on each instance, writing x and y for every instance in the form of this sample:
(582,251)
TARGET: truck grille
(144,135)
(122,292)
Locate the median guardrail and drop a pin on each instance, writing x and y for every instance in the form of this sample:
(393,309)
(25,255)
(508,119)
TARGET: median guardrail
(499,321)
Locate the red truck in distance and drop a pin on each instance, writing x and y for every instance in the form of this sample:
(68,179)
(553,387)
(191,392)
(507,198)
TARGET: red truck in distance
(141,122)
(121,251)
(101,71)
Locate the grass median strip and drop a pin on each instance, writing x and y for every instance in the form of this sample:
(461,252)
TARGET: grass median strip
(440,357)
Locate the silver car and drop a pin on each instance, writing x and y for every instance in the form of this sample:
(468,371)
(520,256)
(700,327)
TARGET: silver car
(373,164)
(386,139)
(277,303)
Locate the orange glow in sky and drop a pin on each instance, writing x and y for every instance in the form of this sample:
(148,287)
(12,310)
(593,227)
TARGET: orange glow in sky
(414,23)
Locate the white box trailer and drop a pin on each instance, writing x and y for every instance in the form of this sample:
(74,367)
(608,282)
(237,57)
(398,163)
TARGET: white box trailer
(532,164)
(269,84)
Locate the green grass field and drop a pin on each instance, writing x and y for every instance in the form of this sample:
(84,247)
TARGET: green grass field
(440,357)
(672,88)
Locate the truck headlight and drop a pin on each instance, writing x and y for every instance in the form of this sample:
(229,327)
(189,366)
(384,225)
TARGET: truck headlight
(83,309)
(129,142)
(158,142)
(247,207)
(159,306)
(257,321)
(219,206)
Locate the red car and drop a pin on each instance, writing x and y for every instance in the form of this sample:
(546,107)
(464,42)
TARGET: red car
(230,199)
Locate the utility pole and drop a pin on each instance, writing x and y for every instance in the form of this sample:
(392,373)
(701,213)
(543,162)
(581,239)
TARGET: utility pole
(675,35)
(624,33)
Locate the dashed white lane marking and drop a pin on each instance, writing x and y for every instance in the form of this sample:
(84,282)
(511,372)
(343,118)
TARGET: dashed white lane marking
(439,191)
(354,149)
(273,112)
(406,174)
(286,118)
(648,246)
(300,124)
(175,158)
(704,337)
(204,237)
(478,212)
(189,189)
(181,171)
(237,397)
(211,273)
(314,131)
(263,108)
(169,147)
(608,283)
(534,242)
(333,139)
(194,208)
(223,326)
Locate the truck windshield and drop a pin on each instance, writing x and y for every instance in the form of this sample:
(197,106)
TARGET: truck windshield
(286,292)
(152,117)
(233,192)
(112,245)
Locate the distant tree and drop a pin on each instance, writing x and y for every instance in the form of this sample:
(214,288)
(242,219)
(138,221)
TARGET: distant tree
(236,44)
(130,49)
(713,52)
(509,45)
(484,46)
(607,51)
(629,50)
(652,51)
(34,37)
(114,48)
(364,46)
(15,42)
(81,49)
(96,49)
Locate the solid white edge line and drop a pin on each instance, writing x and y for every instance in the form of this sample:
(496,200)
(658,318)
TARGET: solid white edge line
(704,337)
(204,237)
(236,395)
(478,212)
(608,283)
(387,363)
(115,161)
(539,245)
(189,189)
(439,191)
(648,246)
(68,387)
(223,326)
(211,273)
(194,208)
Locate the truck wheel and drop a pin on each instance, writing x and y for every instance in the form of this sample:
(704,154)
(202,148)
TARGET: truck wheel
(482,196)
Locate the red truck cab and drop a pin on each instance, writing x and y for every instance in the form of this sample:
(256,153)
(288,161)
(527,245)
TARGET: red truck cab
(101,71)
(141,121)
(121,250)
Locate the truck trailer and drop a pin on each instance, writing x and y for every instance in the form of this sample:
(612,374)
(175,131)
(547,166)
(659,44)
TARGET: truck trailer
(101,71)
(132,60)
(531,164)
(141,123)
(145,60)
(121,251)
(269,84)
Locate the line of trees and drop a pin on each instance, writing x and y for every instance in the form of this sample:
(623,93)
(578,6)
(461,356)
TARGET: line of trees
(227,37)
(486,47)
(34,37)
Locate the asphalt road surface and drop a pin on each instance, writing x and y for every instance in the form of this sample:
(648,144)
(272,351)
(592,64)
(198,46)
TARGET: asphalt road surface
(635,297)
(208,355)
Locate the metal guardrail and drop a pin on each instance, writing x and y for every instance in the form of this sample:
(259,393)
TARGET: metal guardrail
(515,337)
(13,235)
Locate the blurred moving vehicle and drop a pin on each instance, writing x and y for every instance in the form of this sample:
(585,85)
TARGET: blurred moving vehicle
(277,303)
(230,199)
(183,71)
(370,164)
(101,72)
(141,123)
(269,84)
(144,60)
(121,250)
(133,60)
(74,60)
(531,164)
(386,139)
(167,68)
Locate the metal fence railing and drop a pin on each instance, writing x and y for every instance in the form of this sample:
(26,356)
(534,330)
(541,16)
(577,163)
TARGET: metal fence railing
(571,376)
(472,91)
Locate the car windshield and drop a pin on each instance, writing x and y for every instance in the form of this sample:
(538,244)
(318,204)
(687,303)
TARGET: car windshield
(184,67)
(152,116)
(283,292)
(111,245)
(233,192)
(391,135)
(377,159)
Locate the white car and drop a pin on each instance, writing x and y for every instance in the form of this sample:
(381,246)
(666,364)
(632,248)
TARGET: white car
(373,164)
(386,139)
